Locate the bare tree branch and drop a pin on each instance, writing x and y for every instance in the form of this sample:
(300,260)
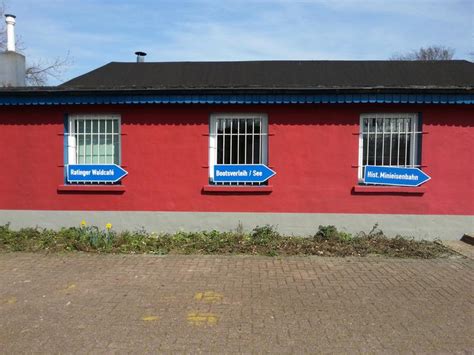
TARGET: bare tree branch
(434,52)
(38,72)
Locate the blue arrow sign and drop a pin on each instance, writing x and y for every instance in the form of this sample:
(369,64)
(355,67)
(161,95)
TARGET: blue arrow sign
(390,175)
(95,173)
(242,173)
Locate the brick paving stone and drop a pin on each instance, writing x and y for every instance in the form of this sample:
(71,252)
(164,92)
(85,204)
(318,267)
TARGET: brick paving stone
(89,303)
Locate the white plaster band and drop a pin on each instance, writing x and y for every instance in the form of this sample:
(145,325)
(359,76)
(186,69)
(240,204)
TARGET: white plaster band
(445,227)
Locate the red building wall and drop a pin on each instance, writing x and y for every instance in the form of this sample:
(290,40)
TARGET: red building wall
(313,149)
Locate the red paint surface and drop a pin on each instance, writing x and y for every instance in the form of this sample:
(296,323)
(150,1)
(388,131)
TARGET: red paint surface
(313,149)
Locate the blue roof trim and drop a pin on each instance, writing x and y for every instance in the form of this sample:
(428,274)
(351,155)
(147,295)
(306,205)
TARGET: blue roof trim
(61,99)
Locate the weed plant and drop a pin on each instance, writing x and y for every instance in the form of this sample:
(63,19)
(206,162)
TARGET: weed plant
(262,240)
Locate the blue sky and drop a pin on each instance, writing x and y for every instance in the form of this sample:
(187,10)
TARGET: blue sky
(97,32)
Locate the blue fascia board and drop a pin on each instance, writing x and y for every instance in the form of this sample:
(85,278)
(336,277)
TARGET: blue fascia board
(241,99)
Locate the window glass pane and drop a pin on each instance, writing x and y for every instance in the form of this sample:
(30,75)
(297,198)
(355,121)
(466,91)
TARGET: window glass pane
(220,142)
(80,126)
(109,150)
(116,152)
(394,125)
(235,126)
(386,148)
(364,150)
(371,148)
(87,148)
(102,148)
(364,125)
(227,141)
(257,126)
(80,149)
(256,150)
(249,142)
(95,148)
(242,149)
(109,126)
(379,123)
(401,155)
(395,149)
(250,126)
(380,146)
(234,148)
(242,126)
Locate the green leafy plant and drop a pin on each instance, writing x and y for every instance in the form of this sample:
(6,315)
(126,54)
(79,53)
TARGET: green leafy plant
(331,233)
(264,235)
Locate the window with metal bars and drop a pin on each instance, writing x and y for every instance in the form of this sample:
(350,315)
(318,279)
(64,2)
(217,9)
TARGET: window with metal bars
(389,139)
(94,139)
(237,139)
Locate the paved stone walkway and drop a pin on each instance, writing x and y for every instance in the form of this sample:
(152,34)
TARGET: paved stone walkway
(83,303)
(460,247)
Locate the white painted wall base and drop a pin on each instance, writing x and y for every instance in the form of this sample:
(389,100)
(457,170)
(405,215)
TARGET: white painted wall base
(446,227)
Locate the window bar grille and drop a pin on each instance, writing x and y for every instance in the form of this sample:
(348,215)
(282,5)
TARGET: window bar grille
(76,130)
(375,142)
(391,141)
(78,146)
(260,158)
(98,142)
(85,137)
(230,134)
(113,146)
(395,138)
(383,139)
(253,141)
(238,141)
(224,124)
(413,141)
(106,144)
(398,147)
(69,142)
(216,157)
(368,142)
(84,141)
(91,134)
(245,145)
(406,141)
(230,156)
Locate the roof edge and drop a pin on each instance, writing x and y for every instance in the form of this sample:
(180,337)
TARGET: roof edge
(236,98)
(26,91)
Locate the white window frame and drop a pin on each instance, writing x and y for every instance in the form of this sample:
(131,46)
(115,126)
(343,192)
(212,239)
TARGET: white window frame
(72,135)
(213,139)
(413,131)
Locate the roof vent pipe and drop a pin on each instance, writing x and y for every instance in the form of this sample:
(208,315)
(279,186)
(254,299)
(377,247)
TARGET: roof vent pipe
(10,20)
(140,57)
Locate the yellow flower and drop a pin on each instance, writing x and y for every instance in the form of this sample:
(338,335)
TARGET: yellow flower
(83,223)
(108,225)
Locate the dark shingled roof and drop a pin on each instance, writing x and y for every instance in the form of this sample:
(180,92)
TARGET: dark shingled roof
(278,75)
